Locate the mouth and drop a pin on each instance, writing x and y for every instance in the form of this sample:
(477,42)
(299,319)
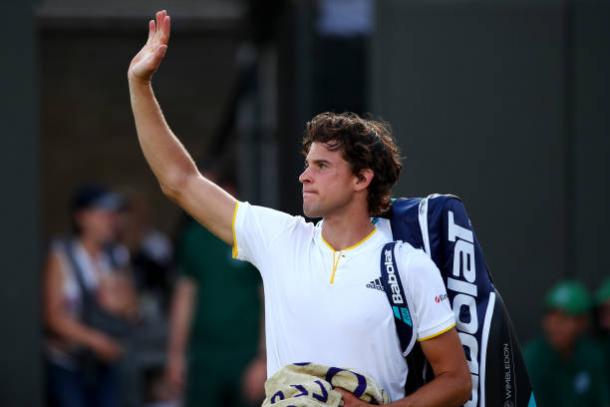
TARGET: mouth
(305,193)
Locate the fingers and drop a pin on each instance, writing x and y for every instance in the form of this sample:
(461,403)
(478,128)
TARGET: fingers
(159,15)
(163,26)
(151,31)
(346,395)
(165,30)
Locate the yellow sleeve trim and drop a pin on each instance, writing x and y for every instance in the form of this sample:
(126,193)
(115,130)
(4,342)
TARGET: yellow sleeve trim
(436,334)
(235,249)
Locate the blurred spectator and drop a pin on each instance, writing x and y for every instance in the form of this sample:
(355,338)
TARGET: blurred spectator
(151,254)
(565,366)
(602,299)
(89,301)
(215,325)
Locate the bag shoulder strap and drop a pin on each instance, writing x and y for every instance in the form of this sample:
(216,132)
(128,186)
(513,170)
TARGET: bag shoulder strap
(394,289)
(77,271)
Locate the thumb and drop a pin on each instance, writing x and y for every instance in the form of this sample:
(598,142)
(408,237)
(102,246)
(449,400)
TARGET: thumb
(160,52)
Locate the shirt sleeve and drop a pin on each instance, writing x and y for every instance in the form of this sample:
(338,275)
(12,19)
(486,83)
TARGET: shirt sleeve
(257,230)
(427,295)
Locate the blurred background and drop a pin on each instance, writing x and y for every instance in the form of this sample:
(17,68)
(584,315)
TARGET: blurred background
(504,103)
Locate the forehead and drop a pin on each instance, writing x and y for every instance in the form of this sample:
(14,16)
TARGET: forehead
(321,151)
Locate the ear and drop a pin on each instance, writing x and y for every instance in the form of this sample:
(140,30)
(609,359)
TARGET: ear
(363,179)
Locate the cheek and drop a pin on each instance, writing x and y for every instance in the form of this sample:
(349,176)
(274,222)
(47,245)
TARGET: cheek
(104,222)
(336,183)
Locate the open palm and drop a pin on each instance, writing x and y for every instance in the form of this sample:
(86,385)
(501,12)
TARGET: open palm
(147,61)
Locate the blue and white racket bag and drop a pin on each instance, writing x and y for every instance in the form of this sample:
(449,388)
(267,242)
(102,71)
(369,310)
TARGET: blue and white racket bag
(439,225)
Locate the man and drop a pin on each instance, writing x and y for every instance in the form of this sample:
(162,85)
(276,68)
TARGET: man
(317,303)
(566,366)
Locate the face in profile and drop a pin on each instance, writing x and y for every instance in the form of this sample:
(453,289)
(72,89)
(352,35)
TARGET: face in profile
(97,224)
(328,182)
(562,330)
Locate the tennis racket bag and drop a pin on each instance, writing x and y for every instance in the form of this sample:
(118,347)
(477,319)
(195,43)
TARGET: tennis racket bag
(439,225)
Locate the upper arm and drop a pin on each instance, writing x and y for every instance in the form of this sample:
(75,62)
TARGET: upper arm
(207,203)
(261,233)
(446,357)
(427,295)
(53,283)
(446,354)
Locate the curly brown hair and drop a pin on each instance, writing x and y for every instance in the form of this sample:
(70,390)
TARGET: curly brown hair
(365,144)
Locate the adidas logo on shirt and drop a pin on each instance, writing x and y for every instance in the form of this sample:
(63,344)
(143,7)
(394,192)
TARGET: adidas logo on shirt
(375,284)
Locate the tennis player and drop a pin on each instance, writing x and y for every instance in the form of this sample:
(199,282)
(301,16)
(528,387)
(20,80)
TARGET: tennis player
(323,300)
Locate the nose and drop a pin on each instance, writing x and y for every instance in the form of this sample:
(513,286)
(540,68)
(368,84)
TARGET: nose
(305,176)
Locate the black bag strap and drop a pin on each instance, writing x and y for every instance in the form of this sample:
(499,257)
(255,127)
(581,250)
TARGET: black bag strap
(394,289)
(78,272)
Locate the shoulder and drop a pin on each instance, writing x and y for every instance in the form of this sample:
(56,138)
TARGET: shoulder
(412,259)
(271,219)
(58,247)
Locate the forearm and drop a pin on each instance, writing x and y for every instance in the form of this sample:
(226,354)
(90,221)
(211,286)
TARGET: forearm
(174,168)
(444,391)
(167,157)
(180,318)
(72,330)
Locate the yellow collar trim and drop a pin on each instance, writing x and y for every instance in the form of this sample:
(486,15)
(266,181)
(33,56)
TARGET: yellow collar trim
(367,237)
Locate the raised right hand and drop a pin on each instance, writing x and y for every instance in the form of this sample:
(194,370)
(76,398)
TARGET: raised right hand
(147,61)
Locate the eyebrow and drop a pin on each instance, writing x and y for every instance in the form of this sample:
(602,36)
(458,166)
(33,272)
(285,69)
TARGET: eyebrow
(318,162)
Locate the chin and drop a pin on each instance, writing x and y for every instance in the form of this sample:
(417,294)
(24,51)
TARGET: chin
(311,212)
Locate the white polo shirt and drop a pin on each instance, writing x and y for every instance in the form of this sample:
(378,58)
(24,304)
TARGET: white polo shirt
(326,306)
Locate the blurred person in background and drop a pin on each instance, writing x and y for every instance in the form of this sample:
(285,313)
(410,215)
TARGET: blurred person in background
(89,303)
(151,254)
(214,346)
(565,366)
(151,261)
(602,300)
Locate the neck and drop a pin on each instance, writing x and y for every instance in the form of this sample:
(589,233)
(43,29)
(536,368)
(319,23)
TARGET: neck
(346,229)
(92,247)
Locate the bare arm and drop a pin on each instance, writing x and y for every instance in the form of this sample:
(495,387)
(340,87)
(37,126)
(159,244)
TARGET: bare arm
(179,328)
(64,325)
(255,375)
(174,168)
(452,383)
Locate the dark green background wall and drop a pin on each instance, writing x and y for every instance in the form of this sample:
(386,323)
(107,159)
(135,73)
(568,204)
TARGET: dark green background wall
(20,357)
(489,102)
